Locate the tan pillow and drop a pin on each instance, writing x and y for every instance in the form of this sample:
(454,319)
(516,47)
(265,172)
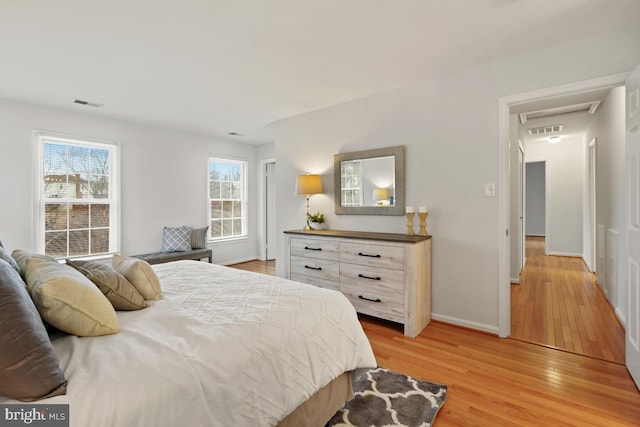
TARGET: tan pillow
(28,363)
(21,257)
(140,274)
(68,300)
(119,291)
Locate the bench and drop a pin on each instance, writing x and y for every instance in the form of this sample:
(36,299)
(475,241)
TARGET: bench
(160,257)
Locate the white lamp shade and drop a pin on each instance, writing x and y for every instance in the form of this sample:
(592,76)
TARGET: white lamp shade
(380,194)
(308,184)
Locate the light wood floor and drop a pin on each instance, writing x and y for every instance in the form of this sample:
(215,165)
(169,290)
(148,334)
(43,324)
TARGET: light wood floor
(505,382)
(558,304)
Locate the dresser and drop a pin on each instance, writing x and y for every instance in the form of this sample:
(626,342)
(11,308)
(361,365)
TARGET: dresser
(384,275)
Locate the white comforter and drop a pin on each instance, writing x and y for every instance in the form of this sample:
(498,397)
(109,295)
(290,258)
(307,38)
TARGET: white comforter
(223,348)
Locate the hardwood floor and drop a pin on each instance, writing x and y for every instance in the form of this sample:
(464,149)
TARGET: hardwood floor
(257,266)
(558,304)
(505,382)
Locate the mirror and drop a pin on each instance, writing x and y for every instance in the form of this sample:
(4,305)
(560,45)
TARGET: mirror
(369,182)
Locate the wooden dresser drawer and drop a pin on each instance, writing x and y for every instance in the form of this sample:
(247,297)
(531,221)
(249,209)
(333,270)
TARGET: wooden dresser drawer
(372,254)
(384,303)
(317,268)
(315,248)
(365,277)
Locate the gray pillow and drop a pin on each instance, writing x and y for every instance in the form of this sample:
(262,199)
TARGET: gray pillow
(176,239)
(29,368)
(5,255)
(199,238)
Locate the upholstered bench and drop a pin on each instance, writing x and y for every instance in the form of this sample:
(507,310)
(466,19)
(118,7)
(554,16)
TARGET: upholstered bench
(160,257)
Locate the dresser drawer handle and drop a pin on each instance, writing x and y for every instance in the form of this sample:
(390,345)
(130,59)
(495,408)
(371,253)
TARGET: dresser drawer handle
(368,277)
(312,249)
(312,268)
(369,299)
(370,256)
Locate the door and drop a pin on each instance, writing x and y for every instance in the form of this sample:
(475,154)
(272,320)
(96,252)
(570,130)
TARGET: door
(270,209)
(633,224)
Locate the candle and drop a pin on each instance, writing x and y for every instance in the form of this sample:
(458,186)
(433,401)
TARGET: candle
(422,209)
(410,209)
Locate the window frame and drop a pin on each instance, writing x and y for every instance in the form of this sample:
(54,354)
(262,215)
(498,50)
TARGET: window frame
(244,166)
(40,137)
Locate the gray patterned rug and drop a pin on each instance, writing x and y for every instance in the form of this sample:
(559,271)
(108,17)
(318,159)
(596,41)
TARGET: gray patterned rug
(387,398)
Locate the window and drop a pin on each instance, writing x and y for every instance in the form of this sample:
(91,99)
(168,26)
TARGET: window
(227,198)
(351,185)
(77,213)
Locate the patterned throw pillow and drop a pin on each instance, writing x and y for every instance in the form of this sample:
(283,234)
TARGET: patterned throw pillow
(176,239)
(199,238)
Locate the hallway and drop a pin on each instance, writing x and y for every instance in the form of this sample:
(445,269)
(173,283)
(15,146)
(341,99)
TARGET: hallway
(558,304)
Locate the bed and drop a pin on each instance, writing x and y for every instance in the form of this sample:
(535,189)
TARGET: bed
(223,347)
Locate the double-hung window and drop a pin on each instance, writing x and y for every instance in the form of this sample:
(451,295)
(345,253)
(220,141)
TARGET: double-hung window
(351,183)
(78,215)
(227,198)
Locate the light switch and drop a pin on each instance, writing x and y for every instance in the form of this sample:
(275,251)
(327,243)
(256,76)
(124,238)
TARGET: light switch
(489,189)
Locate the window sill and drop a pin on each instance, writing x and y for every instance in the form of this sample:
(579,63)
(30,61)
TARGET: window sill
(228,239)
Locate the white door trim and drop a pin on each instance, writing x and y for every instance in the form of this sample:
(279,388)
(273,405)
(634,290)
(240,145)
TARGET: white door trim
(262,211)
(504,104)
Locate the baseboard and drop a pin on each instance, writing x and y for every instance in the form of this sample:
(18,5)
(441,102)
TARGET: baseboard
(465,323)
(565,254)
(621,317)
(237,261)
(515,280)
(535,235)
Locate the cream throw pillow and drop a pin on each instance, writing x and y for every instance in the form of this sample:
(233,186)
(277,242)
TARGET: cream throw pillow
(119,291)
(140,274)
(68,300)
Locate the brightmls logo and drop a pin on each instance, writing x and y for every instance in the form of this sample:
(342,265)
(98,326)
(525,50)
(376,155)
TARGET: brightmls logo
(34,415)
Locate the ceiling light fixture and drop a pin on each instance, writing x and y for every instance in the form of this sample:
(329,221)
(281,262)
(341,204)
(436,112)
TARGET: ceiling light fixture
(554,139)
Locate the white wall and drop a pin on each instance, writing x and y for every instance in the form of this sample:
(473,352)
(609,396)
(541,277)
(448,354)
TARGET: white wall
(449,126)
(608,127)
(164,177)
(535,195)
(565,181)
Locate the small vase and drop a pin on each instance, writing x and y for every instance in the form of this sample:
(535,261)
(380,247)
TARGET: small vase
(317,226)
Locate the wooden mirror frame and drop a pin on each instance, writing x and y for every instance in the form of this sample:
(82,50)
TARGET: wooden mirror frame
(399,203)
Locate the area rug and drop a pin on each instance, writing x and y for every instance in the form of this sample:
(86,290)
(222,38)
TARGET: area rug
(387,398)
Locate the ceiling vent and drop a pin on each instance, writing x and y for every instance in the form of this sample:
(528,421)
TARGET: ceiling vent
(87,103)
(590,107)
(545,129)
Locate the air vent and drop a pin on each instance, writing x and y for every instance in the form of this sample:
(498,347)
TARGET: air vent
(88,103)
(545,129)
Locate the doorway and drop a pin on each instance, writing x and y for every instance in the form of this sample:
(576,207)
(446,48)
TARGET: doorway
(505,180)
(562,306)
(536,200)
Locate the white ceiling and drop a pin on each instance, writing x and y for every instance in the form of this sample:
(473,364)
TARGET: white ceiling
(215,67)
